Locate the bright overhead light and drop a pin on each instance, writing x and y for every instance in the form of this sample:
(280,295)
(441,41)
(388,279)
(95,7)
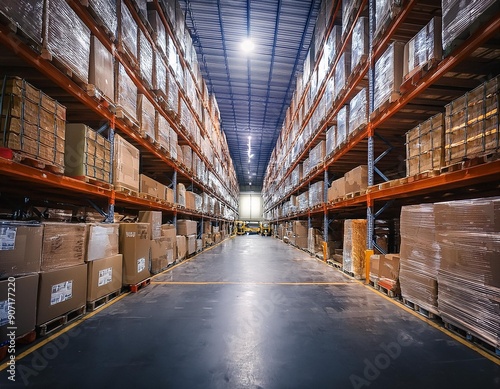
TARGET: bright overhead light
(247,45)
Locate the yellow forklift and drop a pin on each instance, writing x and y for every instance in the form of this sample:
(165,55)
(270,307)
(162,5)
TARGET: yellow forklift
(265,228)
(239,226)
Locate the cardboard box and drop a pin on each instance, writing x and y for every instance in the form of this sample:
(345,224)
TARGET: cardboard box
(187,227)
(357,179)
(154,220)
(101,70)
(104,276)
(181,243)
(190,200)
(151,187)
(300,229)
(354,247)
(102,241)
(64,244)
(159,260)
(191,244)
(337,189)
(125,165)
(134,245)
(17,257)
(199,245)
(61,291)
(181,194)
(25,305)
(169,195)
(389,267)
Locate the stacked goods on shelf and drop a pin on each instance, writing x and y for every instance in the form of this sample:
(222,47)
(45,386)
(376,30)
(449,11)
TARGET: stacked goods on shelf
(337,189)
(125,95)
(146,117)
(388,75)
(467,232)
(149,187)
(358,109)
(27,16)
(349,10)
(299,234)
(303,201)
(388,276)
(383,233)
(315,242)
(459,20)
(360,42)
(384,13)
(425,146)
(375,268)
(104,11)
(168,233)
(135,247)
(354,247)
(146,62)
(63,271)
(316,157)
(342,126)
(472,123)
(162,135)
(342,71)
(158,243)
(316,194)
(32,122)
(181,195)
(87,154)
(186,237)
(356,180)
(127,33)
(104,263)
(68,39)
(101,71)
(125,165)
(420,256)
(423,49)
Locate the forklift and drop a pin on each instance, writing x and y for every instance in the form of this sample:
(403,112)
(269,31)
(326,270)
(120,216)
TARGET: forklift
(265,229)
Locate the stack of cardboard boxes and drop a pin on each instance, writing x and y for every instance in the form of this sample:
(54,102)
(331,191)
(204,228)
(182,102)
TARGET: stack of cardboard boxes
(186,238)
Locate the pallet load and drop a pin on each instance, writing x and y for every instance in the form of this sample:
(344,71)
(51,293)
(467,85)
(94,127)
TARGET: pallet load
(159,245)
(315,242)
(356,180)
(27,16)
(420,257)
(359,111)
(388,280)
(87,154)
(135,245)
(353,261)
(168,232)
(125,165)
(188,229)
(33,124)
(150,188)
(101,72)
(468,235)
(360,42)
(388,75)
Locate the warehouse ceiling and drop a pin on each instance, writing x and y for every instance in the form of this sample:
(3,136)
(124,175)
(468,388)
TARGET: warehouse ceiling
(253,90)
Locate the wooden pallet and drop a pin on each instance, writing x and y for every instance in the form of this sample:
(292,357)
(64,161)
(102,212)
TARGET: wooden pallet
(413,78)
(127,118)
(64,68)
(351,274)
(94,181)
(98,20)
(357,69)
(149,197)
(58,322)
(468,163)
(428,313)
(134,288)
(472,336)
(28,338)
(30,160)
(93,305)
(19,34)
(423,175)
(100,97)
(394,96)
(127,191)
(387,291)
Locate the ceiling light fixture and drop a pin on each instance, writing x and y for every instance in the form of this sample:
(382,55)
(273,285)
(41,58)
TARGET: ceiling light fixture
(247,45)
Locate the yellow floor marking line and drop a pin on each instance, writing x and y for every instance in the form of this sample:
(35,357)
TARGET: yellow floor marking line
(63,330)
(470,345)
(246,283)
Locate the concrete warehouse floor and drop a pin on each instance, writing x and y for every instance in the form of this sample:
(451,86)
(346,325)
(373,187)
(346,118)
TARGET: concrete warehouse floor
(253,312)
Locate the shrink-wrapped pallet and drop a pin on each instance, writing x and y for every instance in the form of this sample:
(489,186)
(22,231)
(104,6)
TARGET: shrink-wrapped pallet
(358,109)
(173,94)
(68,38)
(105,13)
(101,70)
(333,43)
(388,75)
(303,201)
(146,116)
(64,245)
(342,71)
(330,143)
(384,12)
(314,241)
(158,27)
(145,50)
(360,42)
(317,155)
(125,94)
(316,193)
(27,15)
(420,256)
(173,144)
(125,165)
(468,233)
(342,125)
(349,10)
(354,247)
(162,131)
(160,78)
(127,32)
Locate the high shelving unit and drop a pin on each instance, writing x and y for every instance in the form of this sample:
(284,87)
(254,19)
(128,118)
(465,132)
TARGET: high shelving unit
(473,58)
(27,59)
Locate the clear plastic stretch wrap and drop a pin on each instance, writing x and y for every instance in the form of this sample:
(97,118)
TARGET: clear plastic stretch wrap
(382,13)
(330,140)
(314,241)
(342,123)
(316,193)
(420,256)
(472,123)
(142,5)
(296,175)
(388,74)
(162,130)
(329,91)
(306,167)
(354,247)
(173,144)
(27,15)
(173,93)
(146,116)
(360,40)
(333,43)
(160,76)
(146,59)
(359,111)
(105,10)
(101,73)
(424,47)
(349,8)
(425,146)
(128,32)
(459,15)
(68,38)
(126,92)
(317,155)
(468,233)
(303,201)
(342,71)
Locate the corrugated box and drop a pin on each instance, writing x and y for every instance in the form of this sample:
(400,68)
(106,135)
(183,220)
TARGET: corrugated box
(125,165)
(135,245)
(169,195)
(191,244)
(101,71)
(20,248)
(337,189)
(146,115)
(375,260)
(64,244)
(354,247)
(181,194)
(26,291)
(389,271)
(159,260)
(102,241)
(61,291)
(186,227)
(151,187)
(181,243)
(190,200)
(104,276)
(154,221)
(388,75)
(356,179)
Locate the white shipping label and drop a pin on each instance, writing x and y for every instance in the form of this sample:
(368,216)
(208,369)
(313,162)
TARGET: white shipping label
(141,264)
(4,313)
(7,238)
(129,234)
(61,292)
(105,276)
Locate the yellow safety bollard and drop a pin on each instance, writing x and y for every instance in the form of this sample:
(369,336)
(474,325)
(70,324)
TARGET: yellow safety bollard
(368,254)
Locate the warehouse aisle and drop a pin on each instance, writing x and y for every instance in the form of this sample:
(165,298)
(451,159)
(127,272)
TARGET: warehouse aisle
(254,313)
